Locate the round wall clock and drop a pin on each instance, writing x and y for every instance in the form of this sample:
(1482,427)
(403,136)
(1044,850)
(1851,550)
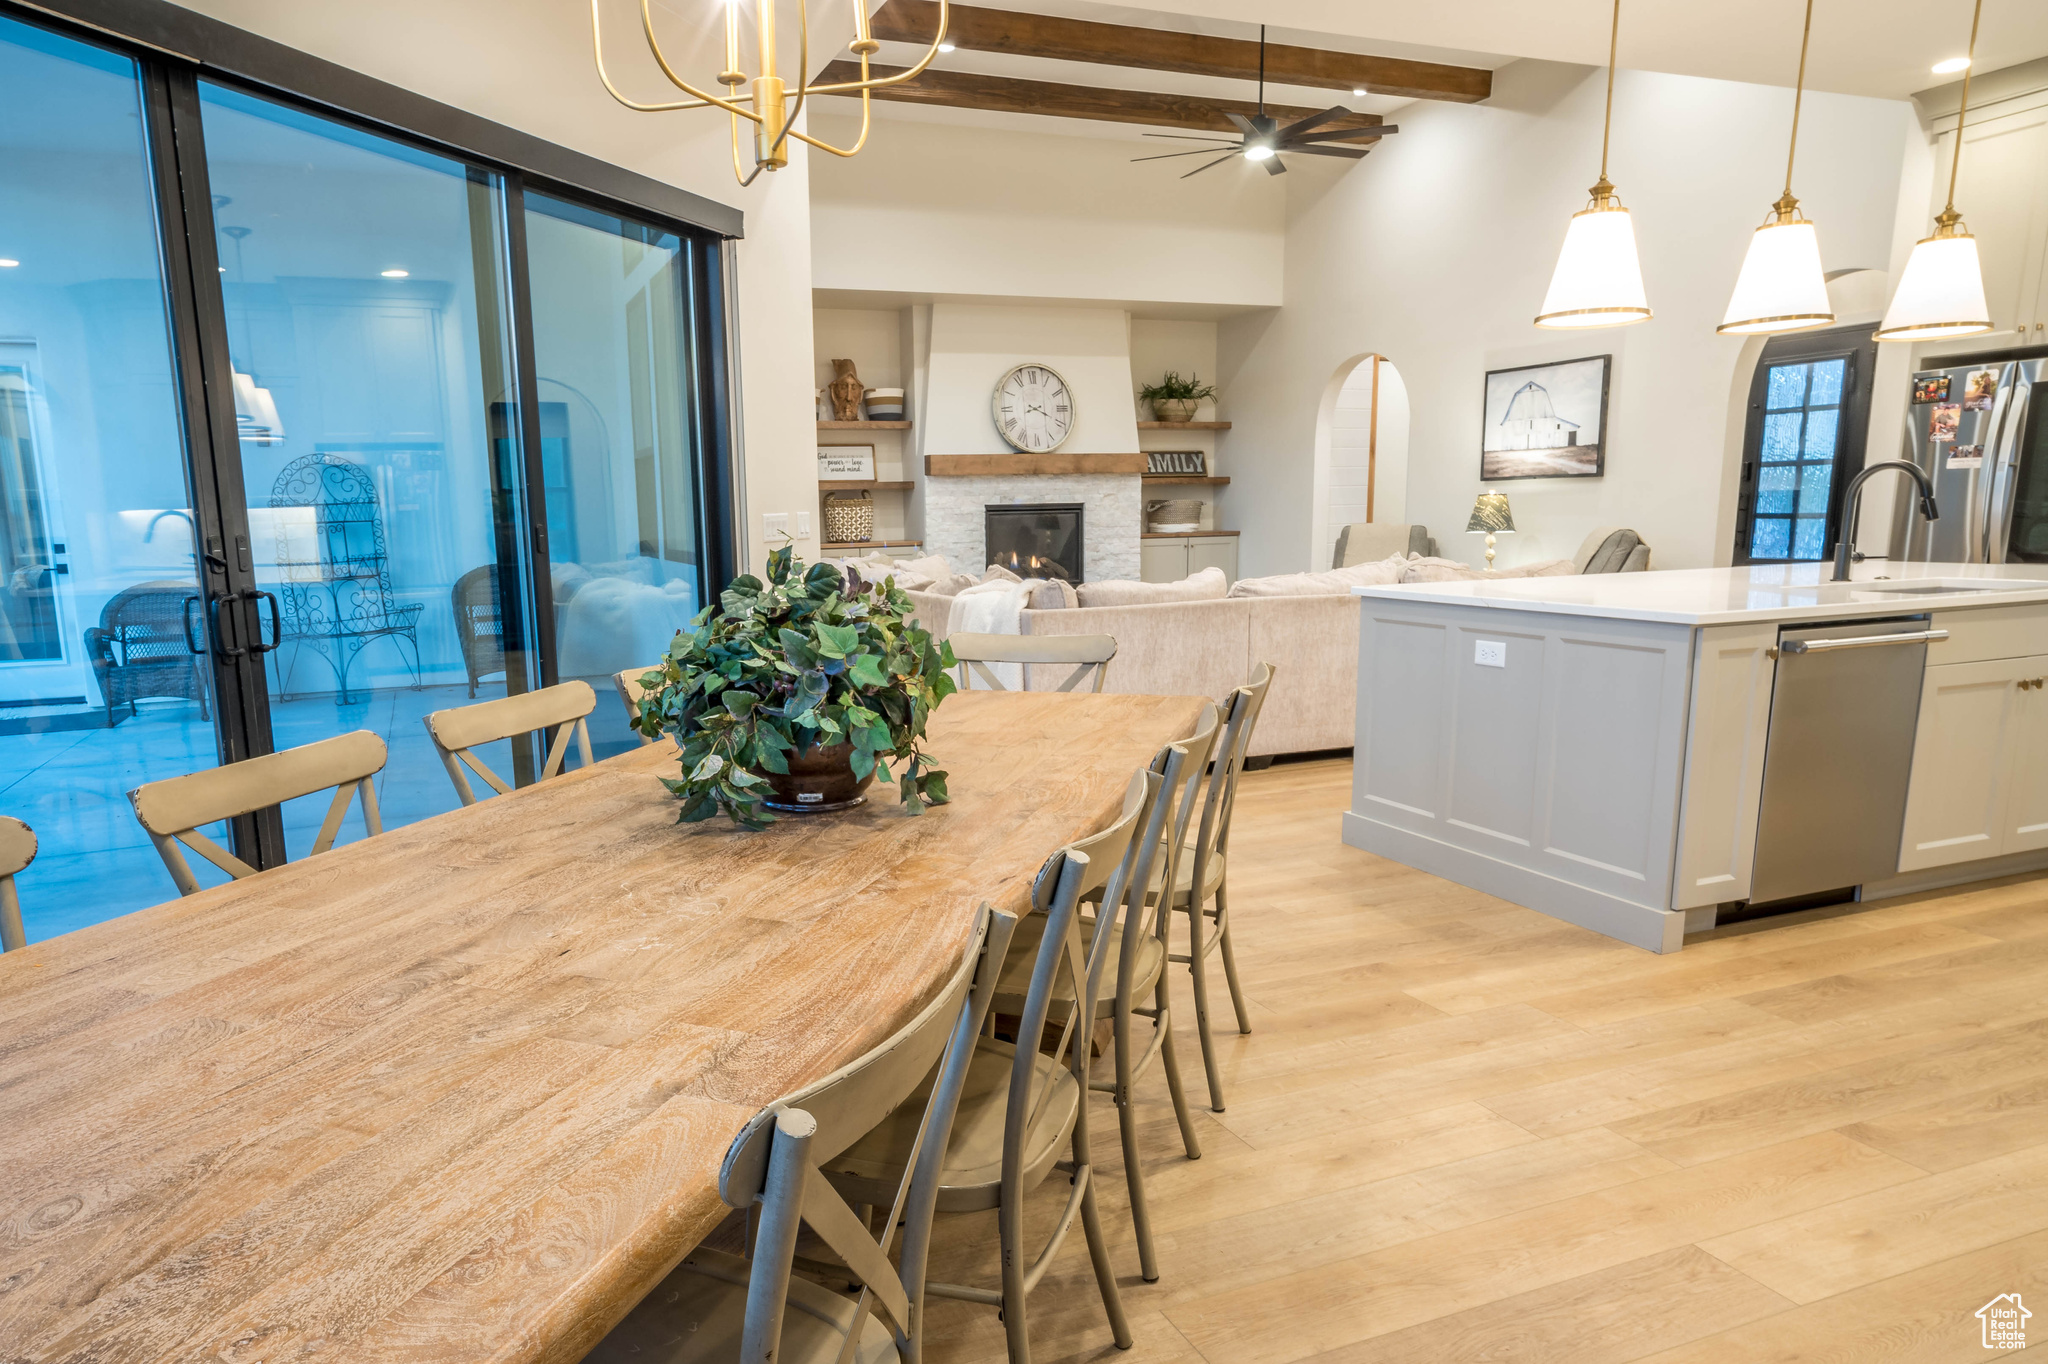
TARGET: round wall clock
(1034,408)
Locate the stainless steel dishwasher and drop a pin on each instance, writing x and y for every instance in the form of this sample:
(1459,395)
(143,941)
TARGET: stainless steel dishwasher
(1844,708)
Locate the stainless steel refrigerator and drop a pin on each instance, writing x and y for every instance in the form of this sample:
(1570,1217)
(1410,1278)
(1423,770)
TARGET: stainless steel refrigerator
(1980,430)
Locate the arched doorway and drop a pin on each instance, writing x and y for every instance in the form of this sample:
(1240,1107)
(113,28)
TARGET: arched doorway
(1361,468)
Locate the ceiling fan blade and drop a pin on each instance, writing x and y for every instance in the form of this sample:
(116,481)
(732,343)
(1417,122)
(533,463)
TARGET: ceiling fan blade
(1243,124)
(1217,162)
(1300,126)
(1198,151)
(1274,166)
(1357,134)
(1315,149)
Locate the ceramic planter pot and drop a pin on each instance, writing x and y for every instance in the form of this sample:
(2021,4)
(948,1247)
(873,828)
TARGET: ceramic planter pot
(885,404)
(820,780)
(1174,409)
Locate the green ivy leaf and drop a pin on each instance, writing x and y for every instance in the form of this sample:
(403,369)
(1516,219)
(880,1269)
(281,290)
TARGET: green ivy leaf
(866,671)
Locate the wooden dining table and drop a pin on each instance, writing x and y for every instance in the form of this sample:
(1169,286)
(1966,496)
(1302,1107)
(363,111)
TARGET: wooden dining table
(461,1091)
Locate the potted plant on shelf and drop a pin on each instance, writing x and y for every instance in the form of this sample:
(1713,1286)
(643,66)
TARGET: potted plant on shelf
(794,693)
(1175,399)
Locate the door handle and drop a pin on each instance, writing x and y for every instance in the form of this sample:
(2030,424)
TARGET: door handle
(193,643)
(256,600)
(1816,646)
(220,643)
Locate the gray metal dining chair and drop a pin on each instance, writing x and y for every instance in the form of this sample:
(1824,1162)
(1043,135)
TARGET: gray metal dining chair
(563,707)
(716,1307)
(173,810)
(1021,1105)
(17,850)
(1089,652)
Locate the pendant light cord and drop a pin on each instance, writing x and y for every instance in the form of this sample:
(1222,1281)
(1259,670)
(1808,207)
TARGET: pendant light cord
(1798,94)
(1607,126)
(1956,161)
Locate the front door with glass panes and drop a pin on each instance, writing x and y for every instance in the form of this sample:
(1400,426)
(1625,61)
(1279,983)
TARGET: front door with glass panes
(289,414)
(1808,410)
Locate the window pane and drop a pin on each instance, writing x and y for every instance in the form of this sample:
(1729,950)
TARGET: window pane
(1813,489)
(1770,538)
(1821,426)
(1806,540)
(613,350)
(98,689)
(1827,383)
(1781,436)
(1787,386)
(1775,486)
(366,325)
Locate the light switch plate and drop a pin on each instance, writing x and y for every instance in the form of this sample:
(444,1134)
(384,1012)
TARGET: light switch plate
(803,525)
(1490,653)
(774,525)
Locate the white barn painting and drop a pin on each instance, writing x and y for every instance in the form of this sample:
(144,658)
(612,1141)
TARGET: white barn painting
(1546,421)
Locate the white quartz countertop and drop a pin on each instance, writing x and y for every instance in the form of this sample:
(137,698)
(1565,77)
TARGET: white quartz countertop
(1727,596)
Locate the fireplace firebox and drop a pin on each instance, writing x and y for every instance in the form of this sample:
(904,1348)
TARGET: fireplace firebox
(1036,540)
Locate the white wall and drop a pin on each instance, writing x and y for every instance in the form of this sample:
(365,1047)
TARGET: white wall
(1187,347)
(974,345)
(1435,251)
(1356,473)
(526,64)
(943,209)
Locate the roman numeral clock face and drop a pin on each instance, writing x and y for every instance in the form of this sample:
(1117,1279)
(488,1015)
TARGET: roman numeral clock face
(1034,408)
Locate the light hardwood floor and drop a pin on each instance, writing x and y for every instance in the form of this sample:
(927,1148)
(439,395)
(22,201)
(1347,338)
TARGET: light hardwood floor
(1463,1131)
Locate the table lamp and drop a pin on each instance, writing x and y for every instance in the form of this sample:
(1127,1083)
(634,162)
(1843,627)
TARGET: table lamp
(1490,515)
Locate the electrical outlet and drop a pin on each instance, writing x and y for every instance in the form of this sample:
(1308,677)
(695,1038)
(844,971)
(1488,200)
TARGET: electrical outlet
(775,528)
(803,525)
(1490,653)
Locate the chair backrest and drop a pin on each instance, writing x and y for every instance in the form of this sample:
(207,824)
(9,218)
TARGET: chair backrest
(1180,766)
(1213,835)
(171,811)
(630,692)
(775,1158)
(1606,549)
(455,732)
(344,541)
(17,850)
(479,623)
(1090,652)
(1364,542)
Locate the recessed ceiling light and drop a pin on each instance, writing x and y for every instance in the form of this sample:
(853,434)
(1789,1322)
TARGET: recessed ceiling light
(6,264)
(396,274)
(1359,93)
(945,47)
(1951,66)
(1258,151)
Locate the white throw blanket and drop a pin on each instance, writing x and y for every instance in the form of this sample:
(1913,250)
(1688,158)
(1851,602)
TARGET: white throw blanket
(993,608)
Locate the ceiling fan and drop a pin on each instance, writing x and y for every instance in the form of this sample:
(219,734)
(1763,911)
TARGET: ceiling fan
(1263,139)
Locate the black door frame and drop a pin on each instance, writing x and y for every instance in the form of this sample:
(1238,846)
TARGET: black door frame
(1852,439)
(174,49)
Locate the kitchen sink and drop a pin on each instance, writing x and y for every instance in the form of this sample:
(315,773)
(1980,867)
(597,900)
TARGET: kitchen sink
(1944,587)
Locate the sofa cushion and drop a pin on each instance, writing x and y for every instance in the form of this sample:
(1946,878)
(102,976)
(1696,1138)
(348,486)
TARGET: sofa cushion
(1450,570)
(1607,550)
(1054,594)
(1208,585)
(1335,582)
(1189,648)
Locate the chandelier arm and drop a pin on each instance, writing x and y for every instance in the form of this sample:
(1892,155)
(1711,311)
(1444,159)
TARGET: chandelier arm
(661,59)
(597,51)
(911,73)
(859,142)
(739,171)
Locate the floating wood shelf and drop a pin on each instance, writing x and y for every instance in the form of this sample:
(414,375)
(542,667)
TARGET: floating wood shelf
(854,485)
(1183,426)
(863,426)
(1213,480)
(871,544)
(1181,534)
(1055,462)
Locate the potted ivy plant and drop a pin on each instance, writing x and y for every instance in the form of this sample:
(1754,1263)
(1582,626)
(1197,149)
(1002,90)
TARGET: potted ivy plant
(794,693)
(1175,399)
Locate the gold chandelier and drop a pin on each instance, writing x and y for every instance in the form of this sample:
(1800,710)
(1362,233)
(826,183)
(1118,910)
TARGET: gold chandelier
(769,104)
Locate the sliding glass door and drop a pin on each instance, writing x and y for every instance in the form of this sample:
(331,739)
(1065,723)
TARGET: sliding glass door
(104,682)
(307,429)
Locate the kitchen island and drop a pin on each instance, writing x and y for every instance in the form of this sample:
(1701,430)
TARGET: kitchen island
(1595,747)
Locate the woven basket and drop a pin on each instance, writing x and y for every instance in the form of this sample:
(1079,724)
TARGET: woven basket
(849,517)
(1174,512)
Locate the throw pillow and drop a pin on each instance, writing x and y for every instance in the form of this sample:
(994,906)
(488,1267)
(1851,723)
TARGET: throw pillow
(1208,585)
(1054,594)
(997,573)
(1329,583)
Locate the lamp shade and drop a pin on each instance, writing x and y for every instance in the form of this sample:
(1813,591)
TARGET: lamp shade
(1598,281)
(1941,293)
(1781,287)
(1490,515)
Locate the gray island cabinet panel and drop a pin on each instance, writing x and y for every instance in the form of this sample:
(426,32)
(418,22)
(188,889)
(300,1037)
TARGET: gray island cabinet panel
(1531,755)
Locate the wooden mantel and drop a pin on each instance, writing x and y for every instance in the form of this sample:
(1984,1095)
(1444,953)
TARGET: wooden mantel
(1055,462)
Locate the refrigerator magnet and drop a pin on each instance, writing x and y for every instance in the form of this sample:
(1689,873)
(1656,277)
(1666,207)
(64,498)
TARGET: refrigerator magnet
(1965,457)
(1930,388)
(1979,388)
(1942,424)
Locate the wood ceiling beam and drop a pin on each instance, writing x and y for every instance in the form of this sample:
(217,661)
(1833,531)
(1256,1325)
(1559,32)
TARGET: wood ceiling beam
(1194,54)
(1004,94)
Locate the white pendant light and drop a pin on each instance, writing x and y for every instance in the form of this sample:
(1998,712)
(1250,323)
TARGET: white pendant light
(1598,281)
(1781,287)
(1942,292)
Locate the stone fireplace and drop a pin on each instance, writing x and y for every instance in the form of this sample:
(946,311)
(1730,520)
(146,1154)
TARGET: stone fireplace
(1035,540)
(956,512)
